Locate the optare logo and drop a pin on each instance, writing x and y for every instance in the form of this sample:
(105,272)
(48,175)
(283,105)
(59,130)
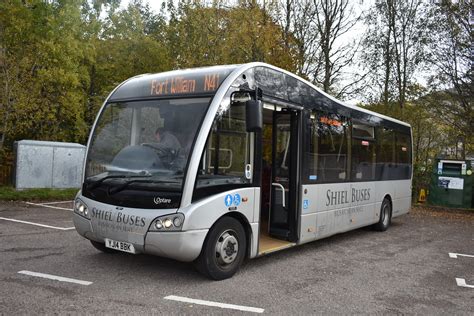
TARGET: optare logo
(159,200)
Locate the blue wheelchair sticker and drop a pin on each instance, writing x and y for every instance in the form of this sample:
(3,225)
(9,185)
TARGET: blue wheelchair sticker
(305,204)
(228,200)
(237,199)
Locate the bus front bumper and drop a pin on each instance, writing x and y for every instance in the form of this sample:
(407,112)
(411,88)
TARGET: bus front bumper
(180,245)
(183,246)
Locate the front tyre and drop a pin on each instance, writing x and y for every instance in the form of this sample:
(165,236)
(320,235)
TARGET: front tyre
(224,249)
(385,216)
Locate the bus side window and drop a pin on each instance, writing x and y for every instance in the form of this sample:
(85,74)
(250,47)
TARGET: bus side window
(226,153)
(403,152)
(333,147)
(327,148)
(386,163)
(311,148)
(363,152)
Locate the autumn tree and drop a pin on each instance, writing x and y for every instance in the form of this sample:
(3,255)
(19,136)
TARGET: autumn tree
(296,18)
(333,19)
(450,55)
(129,43)
(196,33)
(220,33)
(394,47)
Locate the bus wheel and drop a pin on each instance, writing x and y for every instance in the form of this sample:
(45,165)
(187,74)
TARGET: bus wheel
(224,249)
(100,246)
(385,216)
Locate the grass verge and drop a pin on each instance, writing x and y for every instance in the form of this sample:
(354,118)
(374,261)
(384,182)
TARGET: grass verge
(8,193)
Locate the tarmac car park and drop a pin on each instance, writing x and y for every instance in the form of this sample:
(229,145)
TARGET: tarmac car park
(423,264)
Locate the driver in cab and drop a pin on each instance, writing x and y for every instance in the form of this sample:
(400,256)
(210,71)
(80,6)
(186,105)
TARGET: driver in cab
(167,147)
(166,140)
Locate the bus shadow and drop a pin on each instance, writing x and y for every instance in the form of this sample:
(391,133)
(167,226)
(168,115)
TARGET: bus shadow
(142,266)
(342,243)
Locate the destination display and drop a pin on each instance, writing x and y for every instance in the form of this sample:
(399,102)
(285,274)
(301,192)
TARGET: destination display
(186,82)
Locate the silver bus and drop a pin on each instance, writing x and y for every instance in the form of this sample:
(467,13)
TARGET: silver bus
(214,165)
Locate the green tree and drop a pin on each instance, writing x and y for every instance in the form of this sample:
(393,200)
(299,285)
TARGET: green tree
(127,45)
(201,34)
(43,51)
(196,33)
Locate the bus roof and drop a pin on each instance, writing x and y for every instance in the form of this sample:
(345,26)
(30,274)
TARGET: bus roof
(355,107)
(206,81)
(324,100)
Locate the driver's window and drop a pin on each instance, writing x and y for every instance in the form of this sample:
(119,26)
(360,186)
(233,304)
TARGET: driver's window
(227,150)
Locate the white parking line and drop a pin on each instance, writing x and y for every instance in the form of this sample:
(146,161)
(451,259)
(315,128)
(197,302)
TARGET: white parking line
(455,255)
(54,277)
(57,202)
(214,304)
(462,282)
(35,224)
(50,206)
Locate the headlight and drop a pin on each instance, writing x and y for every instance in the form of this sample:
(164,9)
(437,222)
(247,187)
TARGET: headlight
(177,221)
(81,209)
(172,222)
(158,224)
(167,223)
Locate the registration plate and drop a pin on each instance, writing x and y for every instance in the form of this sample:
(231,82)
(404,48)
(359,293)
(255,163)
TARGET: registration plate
(119,245)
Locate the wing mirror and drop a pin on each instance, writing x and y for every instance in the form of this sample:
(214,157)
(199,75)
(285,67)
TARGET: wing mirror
(253,115)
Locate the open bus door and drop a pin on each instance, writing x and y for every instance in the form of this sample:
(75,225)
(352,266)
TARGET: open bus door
(284,185)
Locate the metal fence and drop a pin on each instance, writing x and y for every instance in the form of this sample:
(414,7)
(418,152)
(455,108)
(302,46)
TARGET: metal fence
(6,174)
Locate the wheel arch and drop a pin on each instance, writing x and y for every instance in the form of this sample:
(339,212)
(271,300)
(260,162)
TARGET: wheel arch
(245,224)
(389,198)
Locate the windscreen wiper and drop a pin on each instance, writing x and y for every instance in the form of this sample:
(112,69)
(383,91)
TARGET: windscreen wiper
(122,187)
(95,184)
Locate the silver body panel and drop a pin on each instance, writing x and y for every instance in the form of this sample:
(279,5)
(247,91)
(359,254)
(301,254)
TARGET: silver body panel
(359,206)
(182,246)
(204,213)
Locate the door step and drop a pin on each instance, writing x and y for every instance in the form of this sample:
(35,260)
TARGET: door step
(268,245)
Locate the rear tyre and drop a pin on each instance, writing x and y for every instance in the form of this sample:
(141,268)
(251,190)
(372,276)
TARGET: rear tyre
(100,246)
(385,216)
(223,251)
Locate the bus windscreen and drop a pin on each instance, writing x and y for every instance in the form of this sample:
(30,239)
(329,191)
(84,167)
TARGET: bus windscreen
(144,143)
